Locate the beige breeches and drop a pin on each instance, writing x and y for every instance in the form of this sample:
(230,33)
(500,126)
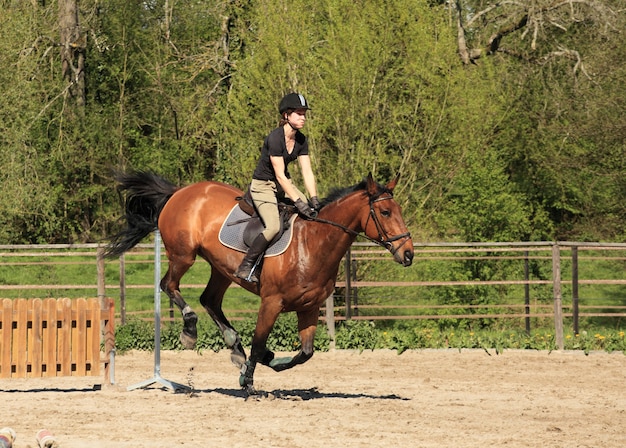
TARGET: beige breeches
(263,194)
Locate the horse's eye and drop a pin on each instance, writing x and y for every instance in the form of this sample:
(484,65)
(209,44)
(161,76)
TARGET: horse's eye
(385,213)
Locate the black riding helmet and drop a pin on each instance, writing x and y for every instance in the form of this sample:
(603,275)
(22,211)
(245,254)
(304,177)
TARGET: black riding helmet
(292,101)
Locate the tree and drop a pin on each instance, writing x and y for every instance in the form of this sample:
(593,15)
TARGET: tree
(189,89)
(385,91)
(564,138)
(486,28)
(73,46)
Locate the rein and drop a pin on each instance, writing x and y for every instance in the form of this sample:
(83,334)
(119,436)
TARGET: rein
(384,240)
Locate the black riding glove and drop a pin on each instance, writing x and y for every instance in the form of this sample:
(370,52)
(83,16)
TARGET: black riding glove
(305,210)
(315,202)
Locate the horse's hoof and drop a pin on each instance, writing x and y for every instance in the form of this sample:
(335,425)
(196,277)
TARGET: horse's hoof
(254,393)
(238,358)
(187,341)
(280,364)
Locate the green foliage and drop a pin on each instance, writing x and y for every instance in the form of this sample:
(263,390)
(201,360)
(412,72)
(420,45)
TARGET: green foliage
(484,207)
(366,335)
(504,149)
(209,336)
(357,334)
(414,336)
(284,335)
(609,341)
(138,334)
(134,335)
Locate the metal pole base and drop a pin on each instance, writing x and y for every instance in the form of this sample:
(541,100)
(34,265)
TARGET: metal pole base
(176,387)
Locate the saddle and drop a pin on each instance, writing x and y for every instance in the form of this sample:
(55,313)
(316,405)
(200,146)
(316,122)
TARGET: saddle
(244,224)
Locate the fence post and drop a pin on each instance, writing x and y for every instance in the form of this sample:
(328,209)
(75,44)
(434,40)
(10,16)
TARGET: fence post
(101,286)
(348,290)
(330,319)
(100,274)
(354,290)
(575,287)
(123,288)
(527,292)
(556,288)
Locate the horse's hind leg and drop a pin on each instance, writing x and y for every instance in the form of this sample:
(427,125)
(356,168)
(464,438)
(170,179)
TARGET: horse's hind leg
(170,283)
(211,299)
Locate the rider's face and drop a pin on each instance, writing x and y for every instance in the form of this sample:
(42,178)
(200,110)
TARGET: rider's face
(297,118)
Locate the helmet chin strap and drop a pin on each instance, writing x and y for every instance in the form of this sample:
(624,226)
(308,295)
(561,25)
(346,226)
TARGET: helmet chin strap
(289,122)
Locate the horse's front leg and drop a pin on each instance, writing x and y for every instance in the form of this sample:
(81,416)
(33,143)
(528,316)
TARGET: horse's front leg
(307,325)
(268,313)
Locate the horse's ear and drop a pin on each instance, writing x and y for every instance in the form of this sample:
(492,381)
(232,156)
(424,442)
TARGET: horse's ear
(372,188)
(392,183)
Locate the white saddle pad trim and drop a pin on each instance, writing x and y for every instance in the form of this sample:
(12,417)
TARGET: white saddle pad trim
(231,233)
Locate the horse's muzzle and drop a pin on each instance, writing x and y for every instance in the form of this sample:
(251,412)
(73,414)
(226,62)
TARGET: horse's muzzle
(408,258)
(404,258)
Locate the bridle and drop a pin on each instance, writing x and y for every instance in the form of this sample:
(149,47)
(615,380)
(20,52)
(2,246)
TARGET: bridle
(383,240)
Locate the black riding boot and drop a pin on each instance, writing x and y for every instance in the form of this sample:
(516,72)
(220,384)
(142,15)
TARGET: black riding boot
(254,252)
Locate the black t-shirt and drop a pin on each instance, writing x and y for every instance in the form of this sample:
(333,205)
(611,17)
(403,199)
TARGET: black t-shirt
(274,145)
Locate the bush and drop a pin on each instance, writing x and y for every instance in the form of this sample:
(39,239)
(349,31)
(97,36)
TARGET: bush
(357,334)
(139,335)
(365,335)
(134,335)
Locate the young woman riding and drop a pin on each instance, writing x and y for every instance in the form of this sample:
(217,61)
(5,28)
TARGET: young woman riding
(271,178)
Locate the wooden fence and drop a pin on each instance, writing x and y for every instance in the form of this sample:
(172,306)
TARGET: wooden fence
(560,281)
(562,258)
(50,337)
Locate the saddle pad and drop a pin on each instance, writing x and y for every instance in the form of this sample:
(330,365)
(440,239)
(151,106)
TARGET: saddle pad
(231,233)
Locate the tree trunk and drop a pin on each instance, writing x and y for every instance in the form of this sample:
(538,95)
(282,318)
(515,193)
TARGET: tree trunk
(460,37)
(73,46)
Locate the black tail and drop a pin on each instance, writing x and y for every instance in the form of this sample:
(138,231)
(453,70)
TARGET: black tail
(146,196)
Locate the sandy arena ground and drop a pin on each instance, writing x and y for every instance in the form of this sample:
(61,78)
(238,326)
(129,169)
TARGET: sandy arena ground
(337,399)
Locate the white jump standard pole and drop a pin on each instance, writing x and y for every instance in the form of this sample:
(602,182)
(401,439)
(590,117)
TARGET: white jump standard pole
(176,387)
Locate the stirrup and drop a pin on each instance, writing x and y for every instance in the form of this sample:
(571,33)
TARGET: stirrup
(248,276)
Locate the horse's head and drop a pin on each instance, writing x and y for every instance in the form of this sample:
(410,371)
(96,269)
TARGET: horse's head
(384,223)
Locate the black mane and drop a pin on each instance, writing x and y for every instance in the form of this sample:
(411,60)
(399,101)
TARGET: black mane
(338,192)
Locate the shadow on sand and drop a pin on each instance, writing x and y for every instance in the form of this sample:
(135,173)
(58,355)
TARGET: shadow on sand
(296,395)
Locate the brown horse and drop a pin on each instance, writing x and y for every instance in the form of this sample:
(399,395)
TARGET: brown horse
(300,279)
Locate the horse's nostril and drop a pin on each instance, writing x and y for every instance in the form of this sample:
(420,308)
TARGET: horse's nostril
(408,258)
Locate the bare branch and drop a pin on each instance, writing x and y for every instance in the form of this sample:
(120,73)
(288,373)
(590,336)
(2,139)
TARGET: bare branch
(494,40)
(28,50)
(558,25)
(528,18)
(533,44)
(570,54)
(490,8)
(61,94)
